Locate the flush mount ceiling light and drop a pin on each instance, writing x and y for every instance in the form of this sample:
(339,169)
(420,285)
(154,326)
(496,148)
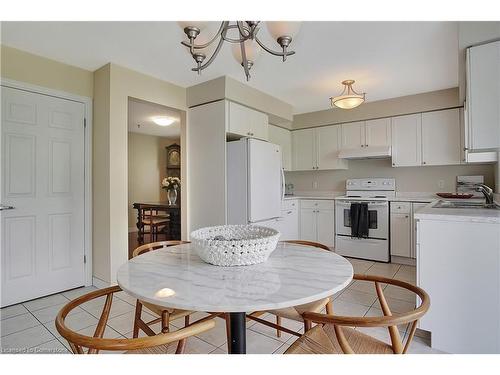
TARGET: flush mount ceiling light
(247,45)
(349,98)
(163,121)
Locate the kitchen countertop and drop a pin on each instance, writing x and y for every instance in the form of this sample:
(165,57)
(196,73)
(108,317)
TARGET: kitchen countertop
(472,215)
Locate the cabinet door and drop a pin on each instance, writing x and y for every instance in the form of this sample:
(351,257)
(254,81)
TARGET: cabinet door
(415,207)
(378,132)
(290,225)
(441,137)
(239,122)
(406,140)
(401,235)
(282,137)
(304,149)
(260,125)
(327,148)
(325,227)
(353,135)
(308,225)
(483,96)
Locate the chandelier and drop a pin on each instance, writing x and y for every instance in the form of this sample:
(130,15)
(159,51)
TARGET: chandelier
(246,43)
(348,98)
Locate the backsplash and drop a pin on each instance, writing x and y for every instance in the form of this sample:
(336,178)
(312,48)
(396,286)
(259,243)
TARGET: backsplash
(408,179)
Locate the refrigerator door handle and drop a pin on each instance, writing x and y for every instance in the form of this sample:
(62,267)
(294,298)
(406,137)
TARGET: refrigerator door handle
(282,184)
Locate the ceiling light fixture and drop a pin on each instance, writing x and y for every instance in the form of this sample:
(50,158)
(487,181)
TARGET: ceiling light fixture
(246,46)
(163,121)
(349,98)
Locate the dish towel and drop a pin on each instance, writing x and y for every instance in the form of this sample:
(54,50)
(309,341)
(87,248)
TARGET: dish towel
(359,220)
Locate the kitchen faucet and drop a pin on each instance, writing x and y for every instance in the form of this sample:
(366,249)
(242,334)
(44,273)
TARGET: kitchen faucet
(487,191)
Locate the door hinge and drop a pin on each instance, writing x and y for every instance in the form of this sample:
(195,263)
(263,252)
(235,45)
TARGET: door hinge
(84,259)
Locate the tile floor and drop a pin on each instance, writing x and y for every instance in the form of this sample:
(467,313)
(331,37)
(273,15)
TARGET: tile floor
(29,327)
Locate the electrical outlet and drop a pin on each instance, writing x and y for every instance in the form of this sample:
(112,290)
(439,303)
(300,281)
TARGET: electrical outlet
(441,184)
(315,184)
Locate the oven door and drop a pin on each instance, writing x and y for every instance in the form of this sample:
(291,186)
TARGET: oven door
(378,218)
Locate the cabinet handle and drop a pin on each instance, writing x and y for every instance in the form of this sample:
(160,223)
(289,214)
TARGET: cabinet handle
(393,164)
(424,162)
(289,212)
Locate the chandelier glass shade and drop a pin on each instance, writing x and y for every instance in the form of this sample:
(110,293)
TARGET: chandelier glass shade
(246,43)
(349,98)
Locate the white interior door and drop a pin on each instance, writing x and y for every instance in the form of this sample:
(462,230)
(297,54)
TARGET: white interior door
(42,247)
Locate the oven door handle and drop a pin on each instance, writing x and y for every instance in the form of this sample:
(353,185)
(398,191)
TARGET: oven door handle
(370,204)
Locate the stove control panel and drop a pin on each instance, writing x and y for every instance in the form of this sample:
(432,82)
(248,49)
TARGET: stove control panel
(367,184)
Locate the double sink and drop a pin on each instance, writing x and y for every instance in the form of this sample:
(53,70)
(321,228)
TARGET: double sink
(465,204)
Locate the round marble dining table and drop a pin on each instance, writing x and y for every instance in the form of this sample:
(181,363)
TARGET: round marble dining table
(175,277)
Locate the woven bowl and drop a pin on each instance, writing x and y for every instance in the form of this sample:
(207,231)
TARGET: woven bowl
(235,245)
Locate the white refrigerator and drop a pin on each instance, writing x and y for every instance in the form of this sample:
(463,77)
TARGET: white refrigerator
(255,181)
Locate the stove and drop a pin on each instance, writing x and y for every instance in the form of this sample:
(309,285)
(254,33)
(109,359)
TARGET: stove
(375,192)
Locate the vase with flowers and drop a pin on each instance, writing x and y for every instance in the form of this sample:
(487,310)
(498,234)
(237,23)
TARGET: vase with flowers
(171,185)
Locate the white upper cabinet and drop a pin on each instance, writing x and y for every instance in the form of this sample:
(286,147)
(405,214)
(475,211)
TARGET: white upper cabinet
(483,96)
(407,140)
(282,137)
(371,133)
(328,139)
(315,149)
(353,135)
(378,132)
(246,122)
(441,137)
(304,150)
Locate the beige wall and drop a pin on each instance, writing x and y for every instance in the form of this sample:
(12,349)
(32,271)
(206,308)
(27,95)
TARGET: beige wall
(428,101)
(36,70)
(279,112)
(112,245)
(101,259)
(408,179)
(147,166)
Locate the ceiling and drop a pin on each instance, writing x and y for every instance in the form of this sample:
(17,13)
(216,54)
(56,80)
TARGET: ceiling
(142,113)
(387,59)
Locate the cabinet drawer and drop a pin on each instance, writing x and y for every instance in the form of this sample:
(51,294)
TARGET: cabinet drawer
(401,207)
(290,204)
(319,204)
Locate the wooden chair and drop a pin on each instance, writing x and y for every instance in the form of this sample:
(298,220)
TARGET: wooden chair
(296,312)
(334,335)
(152,344)
(154,221)
(165,316)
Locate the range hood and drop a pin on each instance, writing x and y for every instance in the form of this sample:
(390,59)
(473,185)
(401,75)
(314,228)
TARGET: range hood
(370,152)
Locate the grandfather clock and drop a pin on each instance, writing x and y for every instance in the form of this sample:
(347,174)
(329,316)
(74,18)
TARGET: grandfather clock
(174,160)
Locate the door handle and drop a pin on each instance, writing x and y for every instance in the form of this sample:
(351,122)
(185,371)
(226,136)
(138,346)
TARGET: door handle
(4,208)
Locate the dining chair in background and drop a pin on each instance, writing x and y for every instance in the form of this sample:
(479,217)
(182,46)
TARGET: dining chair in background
(162,343)
(155,221)
(335,334)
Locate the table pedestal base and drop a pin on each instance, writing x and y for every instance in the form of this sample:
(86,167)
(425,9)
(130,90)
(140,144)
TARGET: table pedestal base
(237,325)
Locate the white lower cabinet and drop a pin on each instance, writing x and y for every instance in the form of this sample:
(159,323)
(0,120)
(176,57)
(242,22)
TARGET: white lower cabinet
(307,231)
(317,221)
(401,235)
(403,227)
(325,227)
(289,224)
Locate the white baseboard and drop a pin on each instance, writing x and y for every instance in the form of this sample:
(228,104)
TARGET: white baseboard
(403,260)
(98,283)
